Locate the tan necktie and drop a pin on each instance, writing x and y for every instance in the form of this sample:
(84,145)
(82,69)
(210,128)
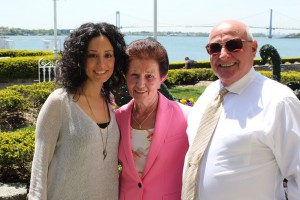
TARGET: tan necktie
(204,133)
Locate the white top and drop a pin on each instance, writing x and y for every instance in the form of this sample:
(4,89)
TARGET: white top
(256,142)
(141,141)
(68,161)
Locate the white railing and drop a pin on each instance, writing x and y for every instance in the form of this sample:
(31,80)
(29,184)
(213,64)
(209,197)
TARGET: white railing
(46,67)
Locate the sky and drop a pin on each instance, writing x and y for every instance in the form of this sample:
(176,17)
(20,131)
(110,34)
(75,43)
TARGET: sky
(172,15)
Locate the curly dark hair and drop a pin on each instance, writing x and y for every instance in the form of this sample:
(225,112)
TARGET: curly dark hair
(71,68)
(148,48)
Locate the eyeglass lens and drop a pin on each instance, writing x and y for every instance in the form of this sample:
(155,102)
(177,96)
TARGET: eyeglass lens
(230,45)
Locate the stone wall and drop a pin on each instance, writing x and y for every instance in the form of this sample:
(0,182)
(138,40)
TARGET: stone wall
(13,191)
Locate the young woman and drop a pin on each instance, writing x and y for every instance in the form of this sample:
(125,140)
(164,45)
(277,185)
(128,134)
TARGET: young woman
(77,136)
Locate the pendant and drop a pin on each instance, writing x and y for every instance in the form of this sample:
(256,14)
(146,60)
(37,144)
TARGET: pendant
(104,154)
(140,125)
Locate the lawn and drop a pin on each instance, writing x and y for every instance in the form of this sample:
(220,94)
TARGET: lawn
(187,92)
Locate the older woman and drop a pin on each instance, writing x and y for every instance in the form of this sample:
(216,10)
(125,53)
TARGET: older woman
(153,129)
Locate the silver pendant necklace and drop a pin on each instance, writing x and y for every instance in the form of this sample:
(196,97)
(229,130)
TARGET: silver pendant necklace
(141,123)
(104,152)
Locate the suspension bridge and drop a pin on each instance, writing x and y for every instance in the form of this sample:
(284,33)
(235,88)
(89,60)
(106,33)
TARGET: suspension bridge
(270,26)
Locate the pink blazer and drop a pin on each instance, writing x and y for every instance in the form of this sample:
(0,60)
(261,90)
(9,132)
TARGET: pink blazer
(162,177)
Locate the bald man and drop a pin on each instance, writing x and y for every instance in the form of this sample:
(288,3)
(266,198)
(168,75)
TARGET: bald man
(256,143)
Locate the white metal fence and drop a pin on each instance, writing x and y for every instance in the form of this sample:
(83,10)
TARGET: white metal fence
(47,70)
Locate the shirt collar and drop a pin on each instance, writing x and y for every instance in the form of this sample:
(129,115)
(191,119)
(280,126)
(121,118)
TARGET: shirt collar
(243,83)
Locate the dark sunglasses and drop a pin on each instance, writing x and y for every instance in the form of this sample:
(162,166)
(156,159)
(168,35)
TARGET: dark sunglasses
(233,45)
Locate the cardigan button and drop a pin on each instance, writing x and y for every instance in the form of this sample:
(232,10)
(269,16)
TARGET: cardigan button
(139,185)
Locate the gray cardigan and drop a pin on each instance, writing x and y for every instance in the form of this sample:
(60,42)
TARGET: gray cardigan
(68,161)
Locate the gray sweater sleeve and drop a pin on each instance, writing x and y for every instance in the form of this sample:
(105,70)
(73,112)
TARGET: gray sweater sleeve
(47,132)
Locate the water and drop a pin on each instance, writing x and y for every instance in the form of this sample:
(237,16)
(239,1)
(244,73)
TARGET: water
(177,47)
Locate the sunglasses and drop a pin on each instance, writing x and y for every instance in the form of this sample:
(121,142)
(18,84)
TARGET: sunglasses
(233,45)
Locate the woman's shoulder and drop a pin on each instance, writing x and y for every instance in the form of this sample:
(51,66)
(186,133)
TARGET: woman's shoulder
(179,107)
(58,93)
(165,104)
(57,96)
(123,109)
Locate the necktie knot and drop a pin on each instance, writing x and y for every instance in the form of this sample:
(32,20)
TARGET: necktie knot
(223,91)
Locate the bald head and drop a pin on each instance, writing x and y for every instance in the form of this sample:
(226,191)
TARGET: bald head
(232,27)
(232,60)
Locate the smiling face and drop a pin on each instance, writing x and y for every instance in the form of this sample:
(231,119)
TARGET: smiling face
(143,80)
(232,66)
(100,60)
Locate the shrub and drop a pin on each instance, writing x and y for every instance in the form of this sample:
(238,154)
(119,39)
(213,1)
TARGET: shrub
(12,106)
(20,101)
(16,154)
(189,77)
(199,64)
(12,101)
(23,53)
(35,94)
(20,67)
(285,76)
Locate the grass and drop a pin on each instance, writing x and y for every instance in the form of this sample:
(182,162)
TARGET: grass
(187,92)
(30,128)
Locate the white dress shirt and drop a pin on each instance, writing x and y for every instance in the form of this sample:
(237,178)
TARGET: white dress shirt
(256,142)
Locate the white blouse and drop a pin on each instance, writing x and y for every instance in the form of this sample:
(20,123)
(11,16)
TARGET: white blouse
(141,140)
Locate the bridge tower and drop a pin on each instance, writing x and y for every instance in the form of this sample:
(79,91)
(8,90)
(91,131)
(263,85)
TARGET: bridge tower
(55,50)
(270,27)
(118,20)
(155,21)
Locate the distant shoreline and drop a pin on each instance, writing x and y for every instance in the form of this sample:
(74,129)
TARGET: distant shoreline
(175,34)
(5,31)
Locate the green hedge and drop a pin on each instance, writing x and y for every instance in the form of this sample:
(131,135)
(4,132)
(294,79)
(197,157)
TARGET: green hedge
(24,53)
(290,60)
(19,101)
(189,77)
(23,64)
(285,76)
(206,63)
(35,94)
(11,101)
(192,76)
(17,147)
(21,97)
(199,64)
(20,67)
(16,154)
